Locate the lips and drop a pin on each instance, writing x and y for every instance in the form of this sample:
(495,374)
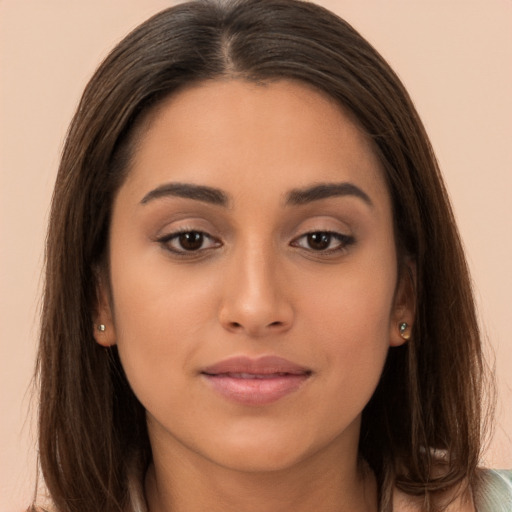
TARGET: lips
(255,381)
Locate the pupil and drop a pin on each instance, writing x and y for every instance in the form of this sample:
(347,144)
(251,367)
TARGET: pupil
(191,241)
(319,241)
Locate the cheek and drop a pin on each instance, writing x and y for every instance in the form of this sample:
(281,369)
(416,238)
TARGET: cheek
(160,316)
(354,334)
(353,302)
(348,317)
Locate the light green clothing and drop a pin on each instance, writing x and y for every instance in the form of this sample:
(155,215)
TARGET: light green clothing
(494,491)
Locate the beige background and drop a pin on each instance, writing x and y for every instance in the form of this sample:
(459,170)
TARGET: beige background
(455,58)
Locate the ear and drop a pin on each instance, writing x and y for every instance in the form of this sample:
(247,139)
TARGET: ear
(404,305)
(103,323)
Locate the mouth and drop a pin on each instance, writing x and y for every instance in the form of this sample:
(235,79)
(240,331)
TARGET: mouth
(256,381)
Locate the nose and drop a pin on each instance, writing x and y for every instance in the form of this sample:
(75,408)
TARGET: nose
(255,301)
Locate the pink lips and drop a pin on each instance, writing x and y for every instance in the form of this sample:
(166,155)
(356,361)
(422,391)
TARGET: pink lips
(255,381)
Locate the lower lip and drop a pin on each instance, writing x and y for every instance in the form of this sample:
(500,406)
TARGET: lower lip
(261,391)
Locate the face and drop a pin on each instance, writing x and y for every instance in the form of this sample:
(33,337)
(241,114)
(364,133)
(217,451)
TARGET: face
(254,291)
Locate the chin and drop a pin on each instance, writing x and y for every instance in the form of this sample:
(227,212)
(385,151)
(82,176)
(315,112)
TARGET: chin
(260,460)
(273,451)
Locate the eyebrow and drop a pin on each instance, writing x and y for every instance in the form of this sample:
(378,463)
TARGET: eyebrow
(188,191)
(307,195)
(295,197)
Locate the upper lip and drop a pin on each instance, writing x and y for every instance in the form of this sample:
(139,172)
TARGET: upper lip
(266,365)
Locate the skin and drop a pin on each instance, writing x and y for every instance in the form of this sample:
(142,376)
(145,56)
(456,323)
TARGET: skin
(255,287)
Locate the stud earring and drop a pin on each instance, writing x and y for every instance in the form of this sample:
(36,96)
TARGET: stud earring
(403,328)
(102,327)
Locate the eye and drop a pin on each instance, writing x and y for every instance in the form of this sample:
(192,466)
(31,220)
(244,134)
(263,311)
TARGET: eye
(323,241)
(183,242)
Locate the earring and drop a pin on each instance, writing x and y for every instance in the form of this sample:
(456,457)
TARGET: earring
(102,327)
(403,328)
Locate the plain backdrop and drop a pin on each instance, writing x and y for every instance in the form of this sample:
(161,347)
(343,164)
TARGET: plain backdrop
(455,58)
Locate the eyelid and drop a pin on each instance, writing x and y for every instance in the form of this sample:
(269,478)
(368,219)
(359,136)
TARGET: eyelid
(344,242)
(165,240)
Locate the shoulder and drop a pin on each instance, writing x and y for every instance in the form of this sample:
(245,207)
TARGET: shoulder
(459,500)
(493,490)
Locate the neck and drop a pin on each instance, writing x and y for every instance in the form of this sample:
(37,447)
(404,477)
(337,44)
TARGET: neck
(309,485)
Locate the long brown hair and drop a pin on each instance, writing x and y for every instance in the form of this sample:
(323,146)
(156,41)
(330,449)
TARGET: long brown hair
(91,426)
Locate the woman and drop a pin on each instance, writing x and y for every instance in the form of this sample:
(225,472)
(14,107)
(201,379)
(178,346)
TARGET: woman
(253,278)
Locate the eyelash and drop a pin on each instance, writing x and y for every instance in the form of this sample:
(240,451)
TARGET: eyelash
(344,242)
(175,236)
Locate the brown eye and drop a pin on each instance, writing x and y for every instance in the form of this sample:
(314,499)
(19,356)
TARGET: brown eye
(325,242)
(186,242)
(319,241)
(191,241)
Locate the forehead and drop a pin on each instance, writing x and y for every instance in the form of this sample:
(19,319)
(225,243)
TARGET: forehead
(238,134)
